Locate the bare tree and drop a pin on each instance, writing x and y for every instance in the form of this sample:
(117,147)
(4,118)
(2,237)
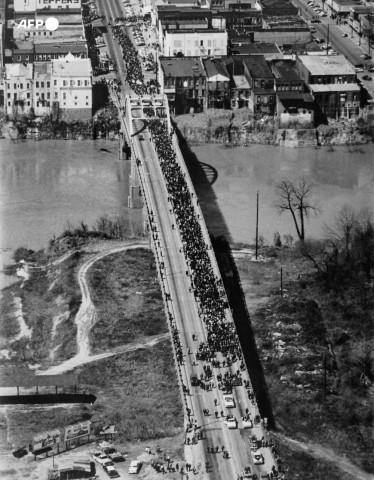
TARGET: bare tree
(343,228)
(294,197)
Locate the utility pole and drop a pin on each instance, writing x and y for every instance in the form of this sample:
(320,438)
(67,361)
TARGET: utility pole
(257,227)
(328,39)
(281,282)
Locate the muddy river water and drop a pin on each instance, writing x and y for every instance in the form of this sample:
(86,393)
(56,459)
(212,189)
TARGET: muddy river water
(44,185)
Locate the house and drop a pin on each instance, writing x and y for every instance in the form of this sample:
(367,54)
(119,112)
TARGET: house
(218,83)
(194,42)
(18,88)
(183,80)
(72,86)
(240,89)
(332,82)
(261,81)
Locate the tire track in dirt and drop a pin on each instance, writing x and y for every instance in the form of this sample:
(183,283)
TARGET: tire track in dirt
(86,316)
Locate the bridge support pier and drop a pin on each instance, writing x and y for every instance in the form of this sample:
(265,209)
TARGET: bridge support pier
(135,199)
(124,150)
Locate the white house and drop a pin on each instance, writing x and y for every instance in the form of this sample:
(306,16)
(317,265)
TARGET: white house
(197,42)
(72,86)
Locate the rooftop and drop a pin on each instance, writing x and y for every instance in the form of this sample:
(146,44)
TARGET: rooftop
(241,81)
(215,67)
(335,87)
(255,49)
(42,68)
(285,70)
(72,67)
(194,30)
(295,95)
(182,67)
(257,67)
(345,2)
(327,65)
(60,48)
(18,70)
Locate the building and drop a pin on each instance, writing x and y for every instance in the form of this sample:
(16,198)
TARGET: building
(28,52)
(361,21)
(239,85)
(63,84)
(18,88)
(33,5)
(286,76)
(340,8)
(70,27)
(234,19)
(269,51)
(218,83)
(183,80)
(261,81)
(197,42)
(42,90)
(72,86)
(332,82)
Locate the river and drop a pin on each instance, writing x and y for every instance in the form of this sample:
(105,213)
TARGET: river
(44,185)
(236,174)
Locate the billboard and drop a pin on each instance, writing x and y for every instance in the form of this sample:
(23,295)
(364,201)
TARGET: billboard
(46,439)
(77,430)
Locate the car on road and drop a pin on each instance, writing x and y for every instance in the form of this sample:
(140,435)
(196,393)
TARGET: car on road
(111,471)
(371,68)
(258,458)
(229,401)
(135,466)
(366,77)
(312,29)
(345,35)
(322,14)
(359,70)
(315,21)
(359,65)
(194,379)
(231,422)
(247,423)
(101,458)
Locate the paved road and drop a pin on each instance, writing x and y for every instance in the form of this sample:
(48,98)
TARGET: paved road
(184,309)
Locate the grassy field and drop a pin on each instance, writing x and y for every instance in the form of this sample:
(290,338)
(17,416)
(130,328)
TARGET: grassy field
(127,296)
(299,336)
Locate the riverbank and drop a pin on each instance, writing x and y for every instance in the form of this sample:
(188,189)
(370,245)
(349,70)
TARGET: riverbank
(240,128)
(103,125)
(310,349)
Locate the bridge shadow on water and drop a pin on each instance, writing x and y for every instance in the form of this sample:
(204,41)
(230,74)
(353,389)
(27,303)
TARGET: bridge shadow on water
(203,177)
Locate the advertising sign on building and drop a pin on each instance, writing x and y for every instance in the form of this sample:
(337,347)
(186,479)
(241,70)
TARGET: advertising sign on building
(77,430)
(46,439)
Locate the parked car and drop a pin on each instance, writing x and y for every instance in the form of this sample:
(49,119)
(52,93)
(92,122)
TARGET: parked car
(101,458)
(366,77)
(258,458)
(359,65)
(111,471)
(359,70)
(315,21)
(371,68)
(116,457)
(229,401)
(135,466)
(231,422)
(345,35)
(247,423)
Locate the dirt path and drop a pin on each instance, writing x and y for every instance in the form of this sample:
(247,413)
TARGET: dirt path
(326,454)
(86,315)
